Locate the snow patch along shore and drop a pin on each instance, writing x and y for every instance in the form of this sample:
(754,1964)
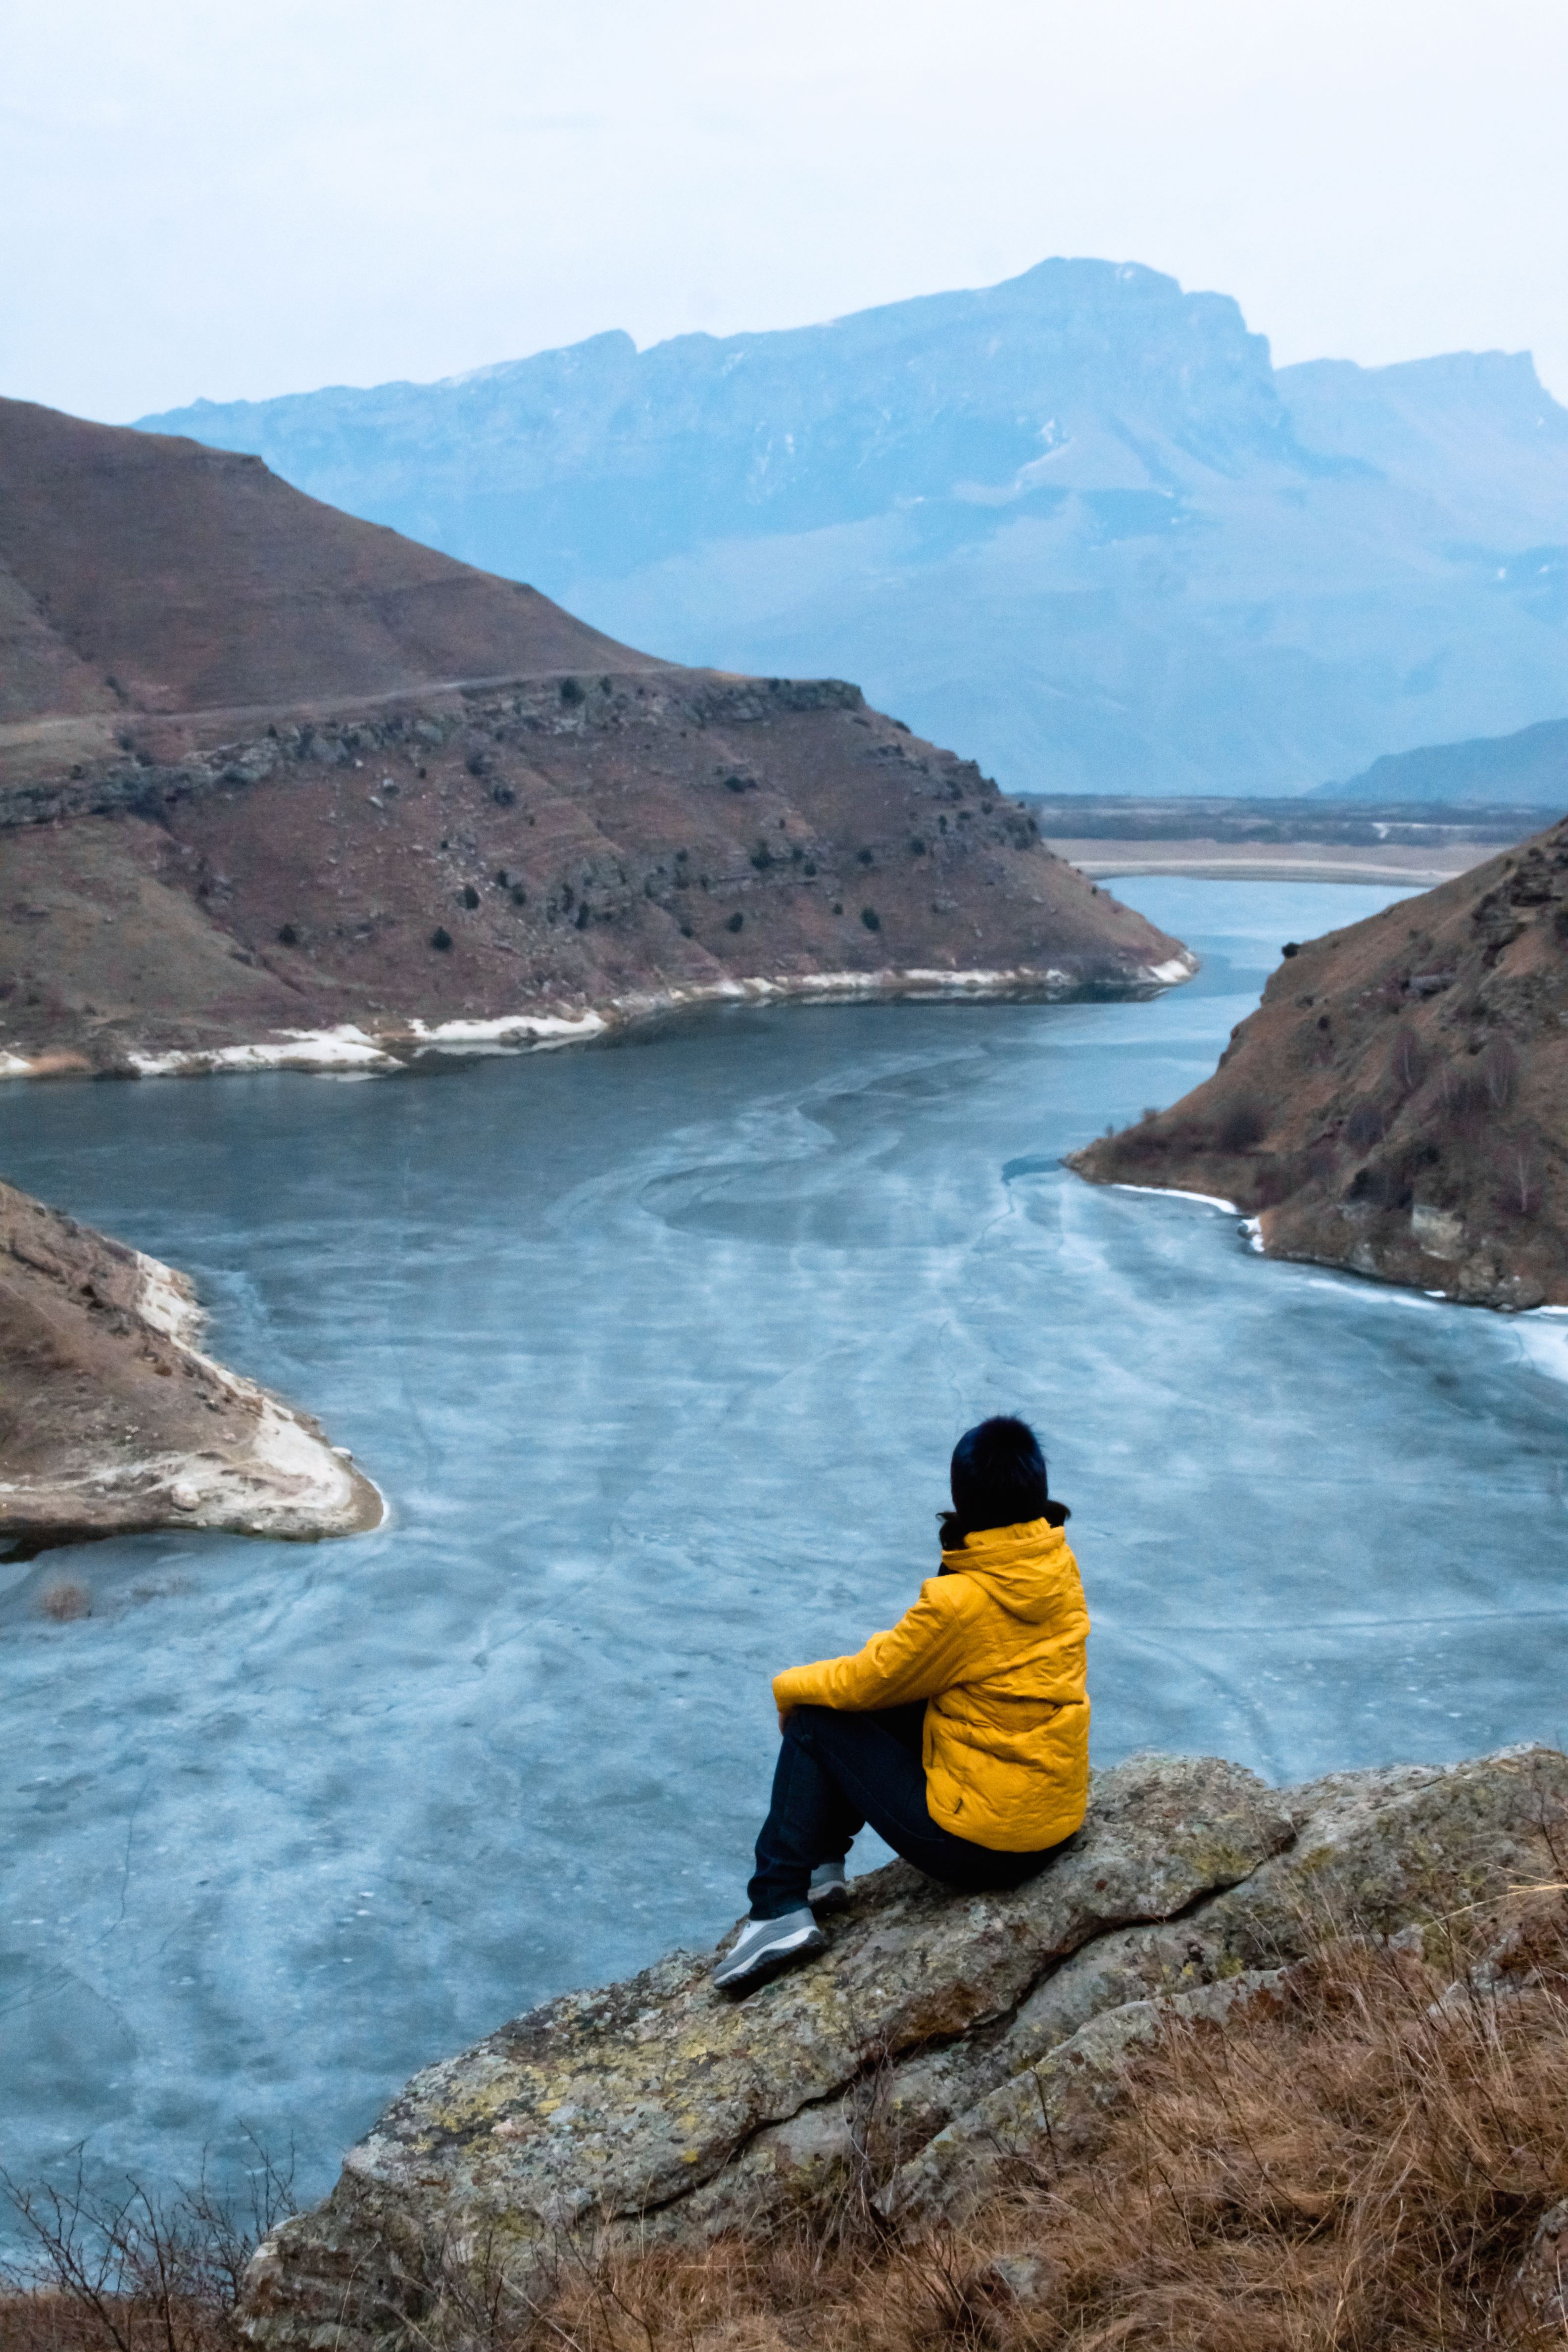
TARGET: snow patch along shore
(1174,1193)
(351,1050)
(294,1484)
(1544,1337)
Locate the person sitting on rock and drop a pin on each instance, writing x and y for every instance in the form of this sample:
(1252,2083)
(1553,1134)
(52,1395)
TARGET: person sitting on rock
(961,1736)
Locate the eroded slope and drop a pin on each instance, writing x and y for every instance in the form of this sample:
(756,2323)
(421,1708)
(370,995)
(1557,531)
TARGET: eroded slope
(143,572)
(300,776)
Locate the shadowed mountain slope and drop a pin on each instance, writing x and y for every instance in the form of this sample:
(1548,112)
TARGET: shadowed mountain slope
(1398,1103)
(279,785)
(1075,522)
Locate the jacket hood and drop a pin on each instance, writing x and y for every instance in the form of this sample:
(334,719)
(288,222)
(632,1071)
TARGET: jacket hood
(1021,1568)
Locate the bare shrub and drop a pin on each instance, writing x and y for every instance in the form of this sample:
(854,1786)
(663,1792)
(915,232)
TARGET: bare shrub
(1375,1187)
(1408,1062)
(132,2273)
(1462,1097)
(1243,1124)
(1499,1072)
(1366,1125)
(1521,1175)
(64,1600)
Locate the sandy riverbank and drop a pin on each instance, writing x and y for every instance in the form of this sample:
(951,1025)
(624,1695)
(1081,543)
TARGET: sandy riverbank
(1275,861)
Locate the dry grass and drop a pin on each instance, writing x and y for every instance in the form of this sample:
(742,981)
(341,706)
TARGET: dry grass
(1370,2169)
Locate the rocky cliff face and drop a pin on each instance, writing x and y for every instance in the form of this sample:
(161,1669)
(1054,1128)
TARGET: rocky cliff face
(454,809)
(940,2047)
(113,1420)
(1398,1104)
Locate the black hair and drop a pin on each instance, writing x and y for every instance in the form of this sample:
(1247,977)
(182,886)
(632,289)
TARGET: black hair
(998,1480)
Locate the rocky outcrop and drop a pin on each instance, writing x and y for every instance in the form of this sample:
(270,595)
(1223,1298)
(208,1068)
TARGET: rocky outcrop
(1398,1103)
(938,2048)
(113,1420)
(278,787)
(525,864)
(1540,2296)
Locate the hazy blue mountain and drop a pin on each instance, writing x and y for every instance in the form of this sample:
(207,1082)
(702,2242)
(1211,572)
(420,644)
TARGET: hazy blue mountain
(1075,523)
(1530,766)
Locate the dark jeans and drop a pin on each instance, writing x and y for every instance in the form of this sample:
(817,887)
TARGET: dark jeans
(837,1771)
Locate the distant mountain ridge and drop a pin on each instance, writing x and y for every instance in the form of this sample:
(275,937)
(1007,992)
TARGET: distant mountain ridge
(1532,765)
(613,457)
(1076,520)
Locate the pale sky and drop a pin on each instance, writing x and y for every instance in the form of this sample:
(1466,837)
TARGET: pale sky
(238,199)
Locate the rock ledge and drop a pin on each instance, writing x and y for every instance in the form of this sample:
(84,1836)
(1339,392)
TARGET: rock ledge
(939,2044)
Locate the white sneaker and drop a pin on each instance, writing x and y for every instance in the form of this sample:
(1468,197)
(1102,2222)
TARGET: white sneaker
(764,1946)
(829,1890)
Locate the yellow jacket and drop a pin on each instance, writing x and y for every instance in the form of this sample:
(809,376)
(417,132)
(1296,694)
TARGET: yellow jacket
(996,1646)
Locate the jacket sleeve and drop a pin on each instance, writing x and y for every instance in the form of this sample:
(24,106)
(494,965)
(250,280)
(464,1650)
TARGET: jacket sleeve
(923,1654)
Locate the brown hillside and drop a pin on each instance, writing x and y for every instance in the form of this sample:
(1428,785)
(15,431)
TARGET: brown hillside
(271,772)
(526,853)
(1398,1104)
(144,572)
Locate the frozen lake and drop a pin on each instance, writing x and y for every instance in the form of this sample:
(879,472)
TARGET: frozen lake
(659,1351)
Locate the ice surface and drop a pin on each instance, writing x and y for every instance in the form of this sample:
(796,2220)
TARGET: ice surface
(1545,1344)
(658,1349)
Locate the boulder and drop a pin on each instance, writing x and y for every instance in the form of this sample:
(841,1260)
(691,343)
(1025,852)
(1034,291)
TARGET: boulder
(932,2051)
